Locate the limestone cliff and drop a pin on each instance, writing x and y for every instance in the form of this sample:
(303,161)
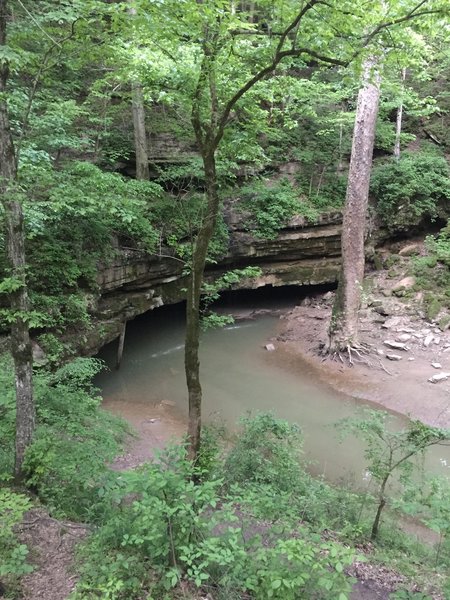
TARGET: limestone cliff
(302,254)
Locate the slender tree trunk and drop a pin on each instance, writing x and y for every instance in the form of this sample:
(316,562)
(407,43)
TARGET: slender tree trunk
(343,329)
(381,505)
(140,132)
(15,242)
(191,359)
(398,129)
(121,345)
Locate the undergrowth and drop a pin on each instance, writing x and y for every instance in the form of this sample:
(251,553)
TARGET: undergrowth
(247,521)
(74,439)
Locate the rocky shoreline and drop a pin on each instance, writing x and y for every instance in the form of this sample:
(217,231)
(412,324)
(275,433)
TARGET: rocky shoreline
(407,369)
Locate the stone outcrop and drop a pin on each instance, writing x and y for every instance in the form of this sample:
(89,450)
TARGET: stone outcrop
(303,254)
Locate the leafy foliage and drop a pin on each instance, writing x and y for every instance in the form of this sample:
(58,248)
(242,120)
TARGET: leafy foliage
(211,293)
(272,206)
(267,452)
(411,189)
(433,276)
(162,529)
(13,554)
(74,438)
(391,452)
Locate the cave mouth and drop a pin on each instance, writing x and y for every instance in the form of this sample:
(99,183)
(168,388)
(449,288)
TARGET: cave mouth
(262,298)
(268,296)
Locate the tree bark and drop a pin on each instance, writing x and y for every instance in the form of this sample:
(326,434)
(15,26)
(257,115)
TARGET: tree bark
(191,359)
(139,129)
(15,243)
(343,329)
(140,132)
(398,127)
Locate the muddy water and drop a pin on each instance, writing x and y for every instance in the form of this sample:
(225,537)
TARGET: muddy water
(239,377)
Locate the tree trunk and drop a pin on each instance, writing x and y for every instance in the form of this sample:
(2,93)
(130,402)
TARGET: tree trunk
(191,360)
(15,243)
(398,128)
(381,505)
(140,132)
(343,329)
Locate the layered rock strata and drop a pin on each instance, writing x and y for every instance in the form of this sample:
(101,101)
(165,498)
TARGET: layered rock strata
(302,254)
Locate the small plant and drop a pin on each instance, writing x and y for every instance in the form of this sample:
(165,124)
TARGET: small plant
(267,451)
(211,293)
(431,503)
(13,554)
(390,452)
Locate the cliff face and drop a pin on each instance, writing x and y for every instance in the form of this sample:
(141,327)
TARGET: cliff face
(302,255)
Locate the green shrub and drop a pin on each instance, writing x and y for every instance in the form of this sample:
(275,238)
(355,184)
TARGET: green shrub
(267,451)
(433,274)
(410,189)
(271,207)
(74,438)
(163,530)
(13,554)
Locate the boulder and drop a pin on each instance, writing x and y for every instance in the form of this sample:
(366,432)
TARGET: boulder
(406,283)
(404,337)
(392,322)
(269,347)
(439,377)
(39,356)
(427,341)
(410,250)
(393,356)
(395,345)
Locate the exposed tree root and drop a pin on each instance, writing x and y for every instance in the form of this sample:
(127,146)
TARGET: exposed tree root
(384,368)
(352,354)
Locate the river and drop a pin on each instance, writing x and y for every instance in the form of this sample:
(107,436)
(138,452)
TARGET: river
(239,377)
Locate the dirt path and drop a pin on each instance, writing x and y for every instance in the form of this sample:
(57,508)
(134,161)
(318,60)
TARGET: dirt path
(51,544)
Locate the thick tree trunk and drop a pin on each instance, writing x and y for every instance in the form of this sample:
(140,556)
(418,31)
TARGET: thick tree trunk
(140,132)
(15,242)
(344,322)
(398,128)
(191,360)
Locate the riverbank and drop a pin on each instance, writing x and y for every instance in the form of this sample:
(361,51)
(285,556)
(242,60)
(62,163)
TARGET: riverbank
(406,353)
(152,398)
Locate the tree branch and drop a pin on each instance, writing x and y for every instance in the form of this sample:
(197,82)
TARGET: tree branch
(296,52)
(37,23)
(413,14)
(42,68)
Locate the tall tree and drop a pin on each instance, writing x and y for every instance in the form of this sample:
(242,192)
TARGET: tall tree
(231,50)
(398,123)
(343,329)
(15,242)
(344,322)
(209,133)
(140,131)
(139,128)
